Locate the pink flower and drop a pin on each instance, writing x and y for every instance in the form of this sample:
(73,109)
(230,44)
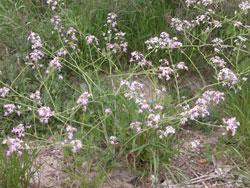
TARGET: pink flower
(218,61)
(15,145)
(70,132)
(83,100)
(162,42)
(4,92)
(181,66)
(76,145)
(136,126)
(244,6)
(19,130)
(45,114)
(168,130)
(228,77)
(113,140)
(231,124)
(55,63)
(9,109)
(137,57)
(90,39)
(36,96)
(37,45)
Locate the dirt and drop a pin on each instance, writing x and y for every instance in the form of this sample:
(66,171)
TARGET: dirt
(49,165)
(194,166)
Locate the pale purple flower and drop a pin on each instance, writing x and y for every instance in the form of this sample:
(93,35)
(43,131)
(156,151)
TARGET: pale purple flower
(36,96)
(9,109)
(113,140)
(162,42)
(36,55)
(181,25)
(55,63)
(111,19)
(137,57)
(57,23)
(90,39)
(62,52)
(231,124)
(137,126)
(53,4)
(181,66)
(201,108)
(168,130)
(244,6)
(83,100)
(4,92)
(212,96)
(228,77)
(153,120)
(37,45)
(218,44)
(195,144)
(70,132)
(198,2)
(158,107)
(218,61)
(115,39)
(45,114)
(15,145)
(19,130)
(76,145)
(165,72)
(35,40)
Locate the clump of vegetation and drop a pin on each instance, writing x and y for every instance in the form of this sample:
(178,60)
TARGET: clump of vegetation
(114,82)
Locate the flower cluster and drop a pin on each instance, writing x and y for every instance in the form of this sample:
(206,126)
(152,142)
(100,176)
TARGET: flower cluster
(231,124)
(71,38)
(166,71)
(162,42)
(45,113)
(168,130)
(19,130)
(83,100)
(62,52)
(240,41)
(36,96)
(113,140)
(115,39)
(198,2)
(76,144)
(244,6)
(91,39)
(228,77)
(36,42)
(4,91)
(203,19)
(55,64)
(57,23)
(137,126)
(218,45)
(202,104)
(216,60)
(10,109)
(181,25)
(53,4)
(16,144)
(137,57)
